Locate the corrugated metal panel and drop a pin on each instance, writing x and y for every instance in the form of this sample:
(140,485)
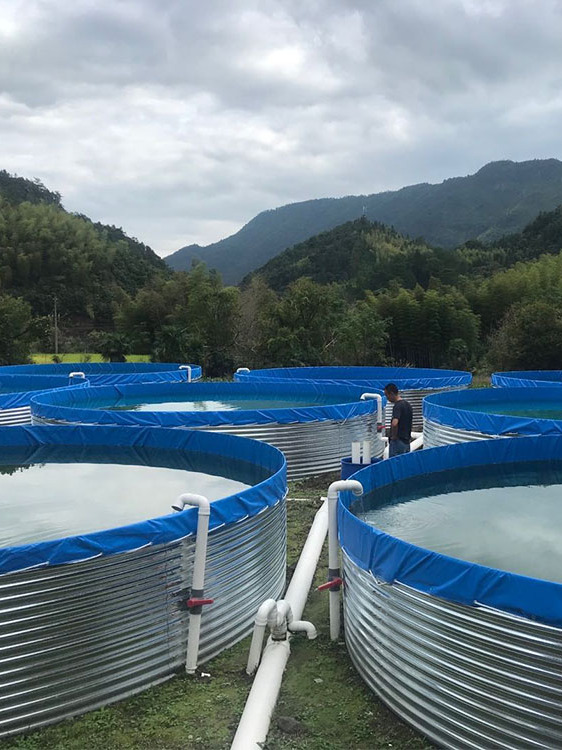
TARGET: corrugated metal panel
(415,398)
(467,677)
(21,415)
(75,637)
(435,434)
(310,448)
(313,448)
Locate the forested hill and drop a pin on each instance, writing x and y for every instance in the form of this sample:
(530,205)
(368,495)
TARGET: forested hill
(46,251)
(501,198)
(366,255)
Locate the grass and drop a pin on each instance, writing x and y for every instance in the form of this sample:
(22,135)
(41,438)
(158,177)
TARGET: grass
(43,358)
(321,691)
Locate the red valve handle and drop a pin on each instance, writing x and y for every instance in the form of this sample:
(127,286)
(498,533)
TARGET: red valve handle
(330,585)
(199,602)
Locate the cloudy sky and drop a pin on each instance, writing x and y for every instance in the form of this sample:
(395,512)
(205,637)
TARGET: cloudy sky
(179,120)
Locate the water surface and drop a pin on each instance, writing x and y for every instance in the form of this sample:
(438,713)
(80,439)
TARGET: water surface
(80,493)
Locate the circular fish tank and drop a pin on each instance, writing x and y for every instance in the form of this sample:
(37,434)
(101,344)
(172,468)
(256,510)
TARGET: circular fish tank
(313,424)
(110,373)
(482,413)
(96,569)
(414,382)
(453,590)
(16,392)
(527,379)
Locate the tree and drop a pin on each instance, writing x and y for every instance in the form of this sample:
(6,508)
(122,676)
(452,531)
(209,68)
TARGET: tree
(529,337)
(17,331)
(361,335)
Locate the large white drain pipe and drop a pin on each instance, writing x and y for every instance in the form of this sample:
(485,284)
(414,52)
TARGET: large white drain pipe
(256,718)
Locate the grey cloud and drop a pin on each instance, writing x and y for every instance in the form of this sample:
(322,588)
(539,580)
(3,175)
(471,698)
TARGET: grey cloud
(181,120)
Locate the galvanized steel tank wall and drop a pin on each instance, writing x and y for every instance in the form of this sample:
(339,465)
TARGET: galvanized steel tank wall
(79,636)
(435,434)
(315,447)
(467,677)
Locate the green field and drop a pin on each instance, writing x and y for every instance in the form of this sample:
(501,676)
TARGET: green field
(42,358)
(321,690)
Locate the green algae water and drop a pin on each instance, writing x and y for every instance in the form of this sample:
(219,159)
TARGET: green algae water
(503,524)
(65,491)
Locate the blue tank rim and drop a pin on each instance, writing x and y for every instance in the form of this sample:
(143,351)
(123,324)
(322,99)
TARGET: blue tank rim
(406,378)
(161,530)
(527,379)
(107,373)
(66,406)
(392,560)
(447,409)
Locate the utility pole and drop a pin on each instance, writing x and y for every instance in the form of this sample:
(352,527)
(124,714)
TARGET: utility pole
(56,327)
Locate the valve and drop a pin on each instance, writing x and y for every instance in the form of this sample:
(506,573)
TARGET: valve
(333,585)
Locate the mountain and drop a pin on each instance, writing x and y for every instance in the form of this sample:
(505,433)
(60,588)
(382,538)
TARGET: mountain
(501,198)
(368,255)
(46,251)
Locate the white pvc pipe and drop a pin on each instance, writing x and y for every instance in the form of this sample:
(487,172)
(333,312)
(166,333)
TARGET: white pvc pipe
(254,723)
(242,369)
(378,399)
(333,547)
(265,613)
(198,576)
(417,443)
(188,368)
(73,375)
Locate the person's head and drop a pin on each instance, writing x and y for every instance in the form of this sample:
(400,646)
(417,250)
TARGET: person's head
(391,392)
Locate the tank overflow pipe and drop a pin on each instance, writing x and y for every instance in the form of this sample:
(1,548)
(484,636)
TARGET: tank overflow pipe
(196,600)
(242,369)
(254,723)
(188,368)
(76,376)
(378,398)
(334,574)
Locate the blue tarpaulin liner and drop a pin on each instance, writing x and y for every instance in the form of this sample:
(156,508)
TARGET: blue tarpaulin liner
(447,409)
(392,560)
(74,408)
(109,373)
(23,387)
(44,444)
(527,379)
(406,378)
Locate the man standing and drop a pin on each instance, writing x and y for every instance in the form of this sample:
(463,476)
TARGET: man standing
(401,424)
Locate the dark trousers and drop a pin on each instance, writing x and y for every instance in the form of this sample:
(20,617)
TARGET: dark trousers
(397,447)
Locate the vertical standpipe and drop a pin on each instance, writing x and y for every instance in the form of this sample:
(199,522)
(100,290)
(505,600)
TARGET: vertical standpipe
(196,600)
(188,368)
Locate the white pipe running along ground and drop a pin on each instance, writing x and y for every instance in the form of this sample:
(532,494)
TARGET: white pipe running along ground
(254,724)
(334,573)
(198,576)
(188,368)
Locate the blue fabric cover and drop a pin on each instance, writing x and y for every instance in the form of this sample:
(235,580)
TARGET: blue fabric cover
(72,407)
(390,559)
(110,373)
(161,530)
(24,387)
(447,409)
(406,378)
(527,379)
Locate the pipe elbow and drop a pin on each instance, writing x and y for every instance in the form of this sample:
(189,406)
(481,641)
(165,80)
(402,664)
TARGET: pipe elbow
(191,499)
(345,484)
(303,626)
